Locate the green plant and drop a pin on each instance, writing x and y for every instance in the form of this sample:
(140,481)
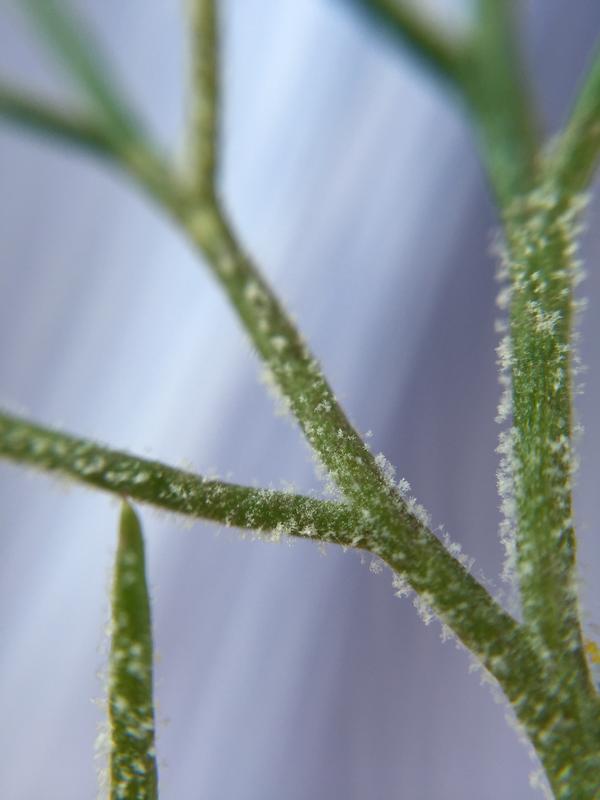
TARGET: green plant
(540,663)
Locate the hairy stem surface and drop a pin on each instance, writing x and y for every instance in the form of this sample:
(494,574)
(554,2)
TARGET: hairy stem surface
(175,490)
(133,772)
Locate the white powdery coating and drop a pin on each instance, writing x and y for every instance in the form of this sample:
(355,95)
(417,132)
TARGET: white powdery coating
(401,490)
(101,755)
(400,585)
(387,470)
(455,550)
(538,781)
(508,506)
(505,472)
(376,566)
(269,381)
(545,221)
(423,605)
(403,487)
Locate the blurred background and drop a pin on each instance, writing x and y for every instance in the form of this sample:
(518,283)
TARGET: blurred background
(352,178)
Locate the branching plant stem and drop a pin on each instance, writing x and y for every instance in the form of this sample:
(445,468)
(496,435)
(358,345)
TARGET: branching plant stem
(573,163)
(80,57)
(178,491)
(82,131)
(540,663)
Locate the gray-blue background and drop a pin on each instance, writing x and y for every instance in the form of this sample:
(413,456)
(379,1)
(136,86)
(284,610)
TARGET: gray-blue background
(283,673)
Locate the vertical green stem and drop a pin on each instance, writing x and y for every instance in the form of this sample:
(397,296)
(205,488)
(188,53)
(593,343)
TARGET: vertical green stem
(502,109)
(541,243)
(203,124)
(399,534)
(133,774)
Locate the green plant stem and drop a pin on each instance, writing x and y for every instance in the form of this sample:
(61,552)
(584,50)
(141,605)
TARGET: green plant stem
(89,134)
(397,532)
(432,571)
(542,271)
(509,654)
(133,773)
(502,109)
(42,118)
(176,490)
(540,230)
(437,51)
(398,535)
(203,128)
(76,49)
(484,67)
(267,510)
(540,665)
(506,652)
(574,158)
(491,633)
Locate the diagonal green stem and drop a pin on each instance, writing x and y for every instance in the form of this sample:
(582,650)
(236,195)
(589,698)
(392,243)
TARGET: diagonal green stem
(399,532)
(42,118)
(92,135)
(541,665)
(176,490)
(437,51)
(432,571)
(67,38)
(504,647)
(575,156)
(494,85)
(485,68)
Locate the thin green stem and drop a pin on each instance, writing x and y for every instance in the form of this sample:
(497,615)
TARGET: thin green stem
(575,157)
(409,548)
(435,49)
(541,231)
(203,124)
(133,772)
(431,570)
(178,491)
(397,535)
(41,118)
(76,49)
(542,272)
(540,665)
(494,85)
(501,643)
(138,159)
(399,532)
(485,68)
